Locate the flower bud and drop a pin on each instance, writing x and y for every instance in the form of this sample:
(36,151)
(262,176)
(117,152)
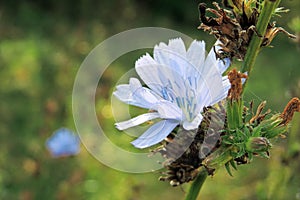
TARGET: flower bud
(258,144)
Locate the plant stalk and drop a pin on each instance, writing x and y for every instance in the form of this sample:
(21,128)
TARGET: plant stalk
(197,185)
(250,58)
(256,41)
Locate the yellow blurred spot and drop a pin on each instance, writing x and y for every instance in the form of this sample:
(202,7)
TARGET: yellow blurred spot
(150,122)
(30,166)
(106,111)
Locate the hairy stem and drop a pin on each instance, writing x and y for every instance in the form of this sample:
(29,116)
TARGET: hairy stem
(254,46)
(196,185)
(250,58)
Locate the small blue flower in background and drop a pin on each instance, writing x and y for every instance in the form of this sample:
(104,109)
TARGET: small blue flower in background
(180,84)
(63,142)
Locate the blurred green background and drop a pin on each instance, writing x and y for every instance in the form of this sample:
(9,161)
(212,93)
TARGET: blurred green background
(42,44)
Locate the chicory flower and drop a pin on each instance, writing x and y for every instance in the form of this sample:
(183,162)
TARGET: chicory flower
(180,84)
(63,143)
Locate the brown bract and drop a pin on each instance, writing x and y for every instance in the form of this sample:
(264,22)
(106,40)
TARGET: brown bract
(234,27)
(289,110)
(259,116)
(185,151)
(235,79)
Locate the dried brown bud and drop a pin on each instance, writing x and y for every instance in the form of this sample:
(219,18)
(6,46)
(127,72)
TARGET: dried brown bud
(259,116)
(235,79)
(289,110)
(185,151)
(235,27)
(272,31)
(226,29)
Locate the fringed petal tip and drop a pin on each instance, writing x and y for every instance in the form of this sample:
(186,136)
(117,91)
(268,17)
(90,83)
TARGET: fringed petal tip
(145,60)
(177,45)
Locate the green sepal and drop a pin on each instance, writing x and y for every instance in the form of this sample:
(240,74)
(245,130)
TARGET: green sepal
(218,158)
(227,166)
(232,163)
(264,155)
(256,131)
(234,114)
(250,156)
(272,127)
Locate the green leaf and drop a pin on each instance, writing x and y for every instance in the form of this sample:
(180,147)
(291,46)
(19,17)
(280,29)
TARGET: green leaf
(250,156)
(232,163)
(227,166)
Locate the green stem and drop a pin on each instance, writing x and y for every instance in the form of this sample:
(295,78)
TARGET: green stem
(261,27)
(250,58)
(196,185)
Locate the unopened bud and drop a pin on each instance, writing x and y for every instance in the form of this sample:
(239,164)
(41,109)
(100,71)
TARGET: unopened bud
(258,144)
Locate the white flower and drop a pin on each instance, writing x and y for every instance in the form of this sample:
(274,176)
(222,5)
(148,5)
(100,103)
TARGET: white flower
(180,84)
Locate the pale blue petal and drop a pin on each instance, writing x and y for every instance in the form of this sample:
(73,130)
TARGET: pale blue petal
(122,92)
(63,143)
(244,79)
(142,94)
(226,83)
(157,77)
(155,134)
(134,84)
(135,94)
(145,60)
(136,121)
(223,92)
(213,78)
(204,97)
(166,56)
(154,77)
(223,65)
(175,48)
(175,56)
(161,54)
(210,65)
(219,96)
(177,45)
(193,124)
(226,86)
(168,110)
(196,53)
(183,91)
